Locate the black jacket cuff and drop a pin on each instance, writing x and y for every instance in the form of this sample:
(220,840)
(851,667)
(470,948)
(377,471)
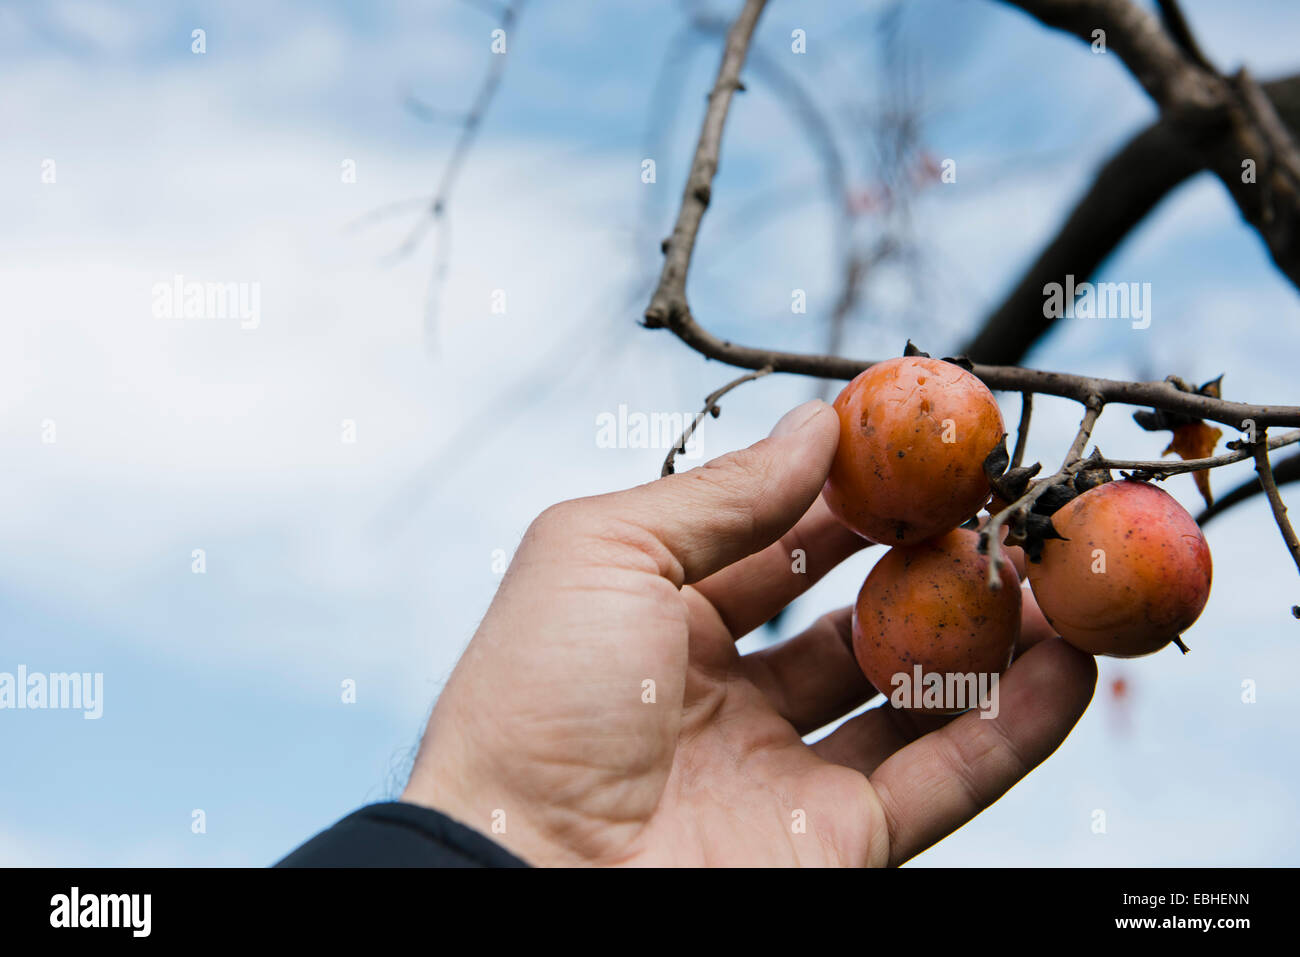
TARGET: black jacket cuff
(395,834)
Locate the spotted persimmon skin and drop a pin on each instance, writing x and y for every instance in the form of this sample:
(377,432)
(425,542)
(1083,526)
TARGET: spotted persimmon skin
(931,605)
(1134,574)
(894,479)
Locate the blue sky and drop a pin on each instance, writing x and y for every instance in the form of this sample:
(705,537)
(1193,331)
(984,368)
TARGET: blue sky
(372,561)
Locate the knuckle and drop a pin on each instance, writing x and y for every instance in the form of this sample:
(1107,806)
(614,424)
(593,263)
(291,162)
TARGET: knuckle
(560,520)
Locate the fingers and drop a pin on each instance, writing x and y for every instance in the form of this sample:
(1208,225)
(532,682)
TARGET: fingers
(733,506)
(813,678)
(750,592)
(866,740)
(938,783)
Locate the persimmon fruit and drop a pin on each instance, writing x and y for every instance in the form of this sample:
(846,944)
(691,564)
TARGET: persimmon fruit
(931,605)
(1132,574)
(914,434)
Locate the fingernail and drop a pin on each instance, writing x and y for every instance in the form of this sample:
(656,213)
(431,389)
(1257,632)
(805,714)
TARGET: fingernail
(798,417)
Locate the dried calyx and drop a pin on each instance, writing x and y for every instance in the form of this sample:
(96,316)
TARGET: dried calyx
(963,361)
(1030,528)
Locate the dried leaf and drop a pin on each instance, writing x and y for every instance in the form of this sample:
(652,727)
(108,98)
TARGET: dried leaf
(1196,441)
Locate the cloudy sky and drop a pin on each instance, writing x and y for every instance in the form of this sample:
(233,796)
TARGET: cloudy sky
(132,440)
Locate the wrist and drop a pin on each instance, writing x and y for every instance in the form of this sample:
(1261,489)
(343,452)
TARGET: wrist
(484,808)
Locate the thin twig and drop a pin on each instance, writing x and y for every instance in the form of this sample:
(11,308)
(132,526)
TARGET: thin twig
(1164,468)
(434,213)
(1285,472)
(1022,431)
(710,408)
(1094,406)
(991,535)
(1265,471)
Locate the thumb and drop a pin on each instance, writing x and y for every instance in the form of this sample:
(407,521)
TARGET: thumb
(737,504)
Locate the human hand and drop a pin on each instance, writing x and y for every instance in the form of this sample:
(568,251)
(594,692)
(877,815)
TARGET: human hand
(544,727)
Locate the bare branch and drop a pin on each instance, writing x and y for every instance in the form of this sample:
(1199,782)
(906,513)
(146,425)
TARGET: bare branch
(1265,471)
(1160,395)
(1139,39)
(1094,404)
(669,297)
(434,213)
(1022,431)
(1176,23)
(1284,472)
(1165,468)
(1285,153)
(1226,119)
(470,124)
(1125,191)
(669,308)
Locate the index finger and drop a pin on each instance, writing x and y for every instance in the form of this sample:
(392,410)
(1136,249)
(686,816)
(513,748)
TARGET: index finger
(735,505)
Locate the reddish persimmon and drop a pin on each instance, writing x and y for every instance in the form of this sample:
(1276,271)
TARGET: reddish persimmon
(914,433)
(930,605)
(1133,574)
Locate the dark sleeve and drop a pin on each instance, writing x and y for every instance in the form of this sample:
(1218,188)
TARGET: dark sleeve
(399,835)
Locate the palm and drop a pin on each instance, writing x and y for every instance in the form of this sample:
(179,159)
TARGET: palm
(743,788)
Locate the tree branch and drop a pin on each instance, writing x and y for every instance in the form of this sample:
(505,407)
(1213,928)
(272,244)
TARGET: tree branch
(1226,119)
(1154,58)
(670,295)
(1163,468)
(1125,191)
(1275,500)
(1160,395)
(1176,23)
(668,306)
(1022,431)
(1284,472)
